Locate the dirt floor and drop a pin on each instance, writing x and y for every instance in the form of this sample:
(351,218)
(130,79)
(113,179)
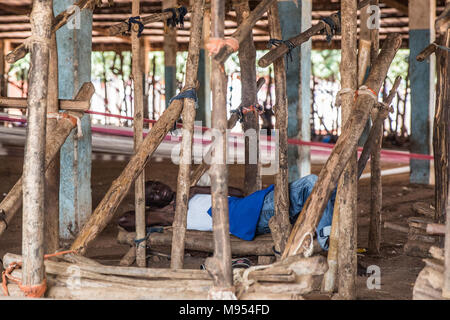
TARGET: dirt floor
(398,271)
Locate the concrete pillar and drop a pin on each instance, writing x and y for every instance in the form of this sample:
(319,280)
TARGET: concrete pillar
(203,113)
(74,42)
(295,18)
(422,75)
(170,56)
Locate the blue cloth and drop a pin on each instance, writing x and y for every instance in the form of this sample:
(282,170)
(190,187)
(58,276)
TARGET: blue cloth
(244,213)
(299,191)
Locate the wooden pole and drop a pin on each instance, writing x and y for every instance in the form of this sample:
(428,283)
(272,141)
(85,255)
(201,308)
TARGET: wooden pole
(119,188)
(138,125)
(347,193)
(13,200)
(279,225)
(376,194)
(300,237)
(3,81)
(34,159)
(442,126)
(220,264)
(250,126)
(184,172)
(170,47)
(52,174)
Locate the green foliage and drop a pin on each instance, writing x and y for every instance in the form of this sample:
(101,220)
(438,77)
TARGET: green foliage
(19,70)
(325,64)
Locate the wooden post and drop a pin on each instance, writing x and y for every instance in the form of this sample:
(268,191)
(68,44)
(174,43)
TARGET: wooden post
(34,159)
(183,183)
(347,193)
(138,125)
(13,200)
(299,239)
(376,194)
(220,264)
(442,137)
(279,225)
(250,126)
(52,173)
(170,48)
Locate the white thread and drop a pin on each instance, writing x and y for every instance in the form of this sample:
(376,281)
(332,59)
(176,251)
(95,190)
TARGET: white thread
(308,250)
(240,276)
(36,39)
(338,101)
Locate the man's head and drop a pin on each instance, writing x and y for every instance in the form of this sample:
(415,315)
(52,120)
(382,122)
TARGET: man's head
(157,194)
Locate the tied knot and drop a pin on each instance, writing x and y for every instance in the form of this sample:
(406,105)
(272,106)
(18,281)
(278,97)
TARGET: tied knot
(287,43)
(137,21)
(332,25)
(241,111)
(177,18)
(74,119)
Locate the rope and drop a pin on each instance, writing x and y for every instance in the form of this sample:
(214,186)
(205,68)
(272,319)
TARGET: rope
(241,111)
(74,119)
(36,39)
(3,218)
(338,101)
(442,47)
(35,291)
(186,94)
(308,250)
(136,20)
(177,18)
(240,277)
(332,25)
(364,90)
(150,230)
(214,45)
(287,43)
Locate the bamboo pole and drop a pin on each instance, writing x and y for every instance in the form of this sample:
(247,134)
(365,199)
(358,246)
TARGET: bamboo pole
(347,190)
(280,225)
(341,153)
(220,264)
(138,126)
(119,188)
(52,174)
(61,19)
(13,200)
(250,125)
(34,159)
(183,183)
(244,29)
(231,123)
(282,49)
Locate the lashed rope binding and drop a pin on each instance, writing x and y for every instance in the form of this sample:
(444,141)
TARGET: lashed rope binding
(36,291)
(332,25)
(74,119)
(287,43)
(136,20)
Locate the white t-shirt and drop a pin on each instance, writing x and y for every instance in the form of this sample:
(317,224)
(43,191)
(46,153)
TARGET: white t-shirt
(197,216)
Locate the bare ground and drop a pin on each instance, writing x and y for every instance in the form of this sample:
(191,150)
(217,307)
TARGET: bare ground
(398,271)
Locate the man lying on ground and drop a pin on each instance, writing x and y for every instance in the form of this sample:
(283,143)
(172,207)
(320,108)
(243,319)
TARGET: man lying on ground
(248,216)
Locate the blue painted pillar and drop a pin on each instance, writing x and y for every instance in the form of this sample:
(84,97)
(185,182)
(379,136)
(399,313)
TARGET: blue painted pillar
(295,17)
(421,34)
(74,68)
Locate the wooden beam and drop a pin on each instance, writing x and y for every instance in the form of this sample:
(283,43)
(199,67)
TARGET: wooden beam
(397,5)
(220,264)
(64,104)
